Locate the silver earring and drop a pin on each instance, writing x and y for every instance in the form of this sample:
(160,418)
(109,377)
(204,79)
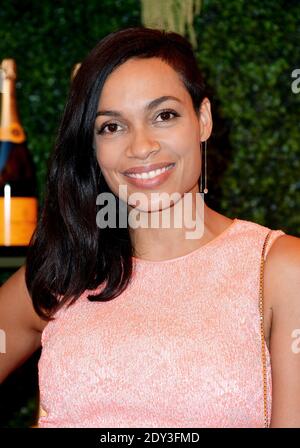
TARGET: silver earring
(205,170)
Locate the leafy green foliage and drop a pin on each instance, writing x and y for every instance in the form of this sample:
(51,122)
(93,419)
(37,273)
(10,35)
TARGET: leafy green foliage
(248,51)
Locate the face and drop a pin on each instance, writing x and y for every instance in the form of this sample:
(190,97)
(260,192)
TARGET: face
(147,135)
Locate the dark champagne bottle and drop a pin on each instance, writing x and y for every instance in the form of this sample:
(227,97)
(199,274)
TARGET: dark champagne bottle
(18,190)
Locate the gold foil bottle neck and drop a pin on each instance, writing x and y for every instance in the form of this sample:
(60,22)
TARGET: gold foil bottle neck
(9,68)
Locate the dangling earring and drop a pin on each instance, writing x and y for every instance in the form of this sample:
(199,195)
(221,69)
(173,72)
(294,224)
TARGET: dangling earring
(205,170)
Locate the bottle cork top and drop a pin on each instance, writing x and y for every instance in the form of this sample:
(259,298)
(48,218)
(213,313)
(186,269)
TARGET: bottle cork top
(9,68)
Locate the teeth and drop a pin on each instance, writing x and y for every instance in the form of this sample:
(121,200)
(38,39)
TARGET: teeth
(150,174)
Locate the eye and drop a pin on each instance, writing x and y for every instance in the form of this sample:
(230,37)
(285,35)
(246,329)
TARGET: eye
(110,126)
(166,113)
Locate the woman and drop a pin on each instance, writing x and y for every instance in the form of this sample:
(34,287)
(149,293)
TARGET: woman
(148,324)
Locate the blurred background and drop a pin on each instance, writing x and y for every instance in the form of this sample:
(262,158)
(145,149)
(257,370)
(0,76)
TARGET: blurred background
(250,55)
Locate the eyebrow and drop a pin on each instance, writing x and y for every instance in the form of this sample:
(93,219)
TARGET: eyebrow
(148,107)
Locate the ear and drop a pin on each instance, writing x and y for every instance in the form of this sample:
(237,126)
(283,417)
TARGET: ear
(205,120)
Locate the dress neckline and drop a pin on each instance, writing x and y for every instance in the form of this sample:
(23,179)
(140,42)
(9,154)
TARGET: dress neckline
(193,252)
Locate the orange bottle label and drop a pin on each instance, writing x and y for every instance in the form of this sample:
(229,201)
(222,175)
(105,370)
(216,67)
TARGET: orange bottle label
(13,133)
(18,219)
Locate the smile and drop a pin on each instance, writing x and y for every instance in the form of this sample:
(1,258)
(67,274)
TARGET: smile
(150,174)
(150,179)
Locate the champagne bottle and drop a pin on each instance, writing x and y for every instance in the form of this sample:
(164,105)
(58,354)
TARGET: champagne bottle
(18,192)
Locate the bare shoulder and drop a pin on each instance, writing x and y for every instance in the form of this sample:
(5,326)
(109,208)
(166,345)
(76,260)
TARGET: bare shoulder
(282,268)
(282,263)
(284,247)
(283,295)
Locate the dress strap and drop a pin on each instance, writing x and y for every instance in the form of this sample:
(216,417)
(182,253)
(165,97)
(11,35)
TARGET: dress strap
(261,310)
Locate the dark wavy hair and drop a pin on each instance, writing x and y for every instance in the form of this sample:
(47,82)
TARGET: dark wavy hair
(68,253)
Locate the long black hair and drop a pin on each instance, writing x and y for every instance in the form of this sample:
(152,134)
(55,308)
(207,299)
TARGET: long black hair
(68,253)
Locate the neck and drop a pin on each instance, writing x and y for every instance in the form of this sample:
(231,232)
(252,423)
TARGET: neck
(179,229)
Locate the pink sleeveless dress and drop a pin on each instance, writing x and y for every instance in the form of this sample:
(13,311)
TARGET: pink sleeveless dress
(179,348)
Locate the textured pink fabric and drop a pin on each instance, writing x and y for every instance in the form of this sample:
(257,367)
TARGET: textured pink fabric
(179,348)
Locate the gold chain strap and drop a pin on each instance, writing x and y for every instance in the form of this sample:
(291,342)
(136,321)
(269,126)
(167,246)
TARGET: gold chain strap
(261,311)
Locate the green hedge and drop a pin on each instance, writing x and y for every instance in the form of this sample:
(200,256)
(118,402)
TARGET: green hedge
(247,50)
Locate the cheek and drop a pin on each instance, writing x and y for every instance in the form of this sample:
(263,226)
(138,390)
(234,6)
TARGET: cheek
(190,150)
(187,139)
(109,163)
(107,158)
(190,154)
(192,166)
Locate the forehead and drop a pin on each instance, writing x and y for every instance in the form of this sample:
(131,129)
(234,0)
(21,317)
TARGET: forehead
(141,79)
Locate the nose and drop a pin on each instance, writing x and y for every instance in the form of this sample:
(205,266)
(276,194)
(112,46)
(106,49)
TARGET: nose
(142,145)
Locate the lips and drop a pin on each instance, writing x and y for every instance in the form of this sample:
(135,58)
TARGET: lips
(146,168)
(151,178)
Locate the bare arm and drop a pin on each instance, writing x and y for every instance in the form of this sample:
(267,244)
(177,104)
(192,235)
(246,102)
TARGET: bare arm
(284,269)
(20,326)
